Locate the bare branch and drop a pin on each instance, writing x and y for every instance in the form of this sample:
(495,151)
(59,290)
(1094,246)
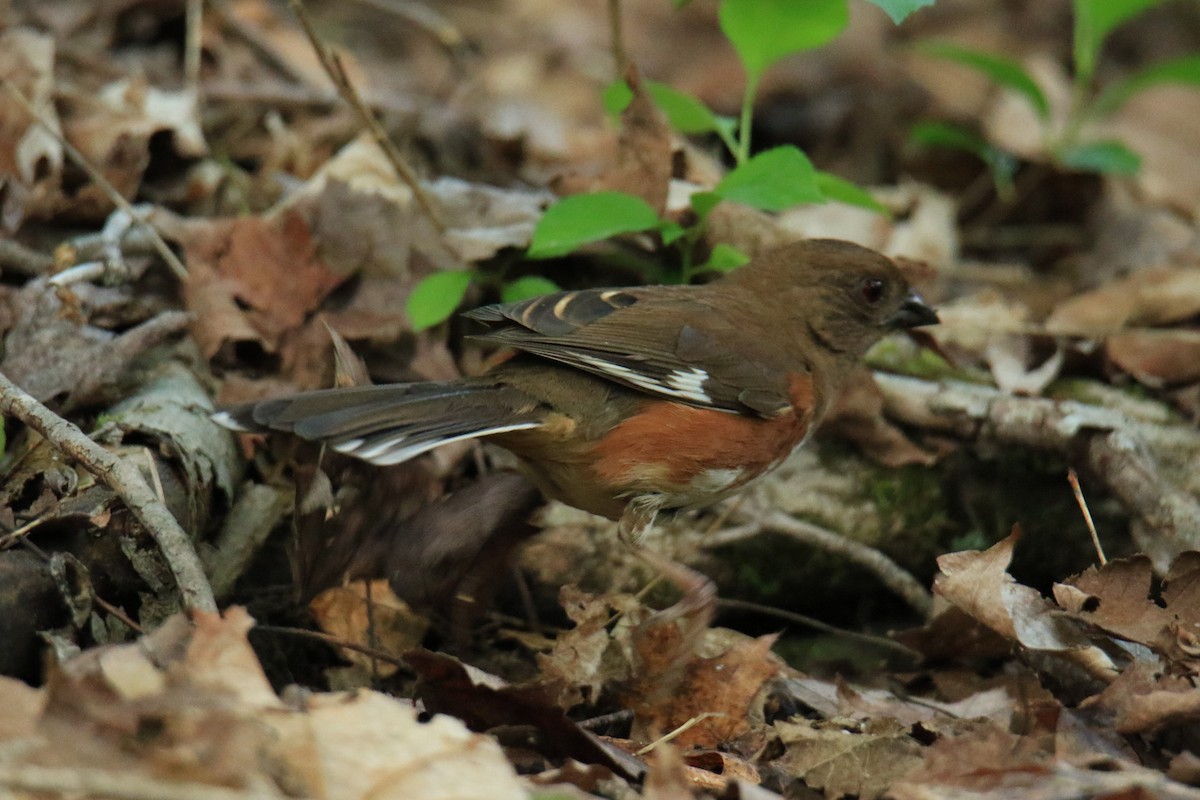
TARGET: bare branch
(337,74)
(126,481)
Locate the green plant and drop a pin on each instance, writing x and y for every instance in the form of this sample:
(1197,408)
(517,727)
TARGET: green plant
(436,296)
(761,32)
(1067,144)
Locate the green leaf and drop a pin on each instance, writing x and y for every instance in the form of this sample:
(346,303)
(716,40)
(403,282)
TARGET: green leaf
(1094,20)
(898,10)
(843,191)
(724,258)
(704,202)
(1107,157)
(526,287)
(671,232)
(434,299)
(944,134)
(772,181)
(685,113)
(1003,165)
(616,97)
(1004,71)
(583,218)
(1185,70)
(764,31)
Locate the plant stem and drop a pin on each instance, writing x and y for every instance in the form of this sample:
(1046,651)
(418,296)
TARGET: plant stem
(620,60)
(743,150)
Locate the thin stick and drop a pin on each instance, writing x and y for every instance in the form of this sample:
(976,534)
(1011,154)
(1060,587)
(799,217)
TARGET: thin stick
(119,613)
(25,261)
(1073,479)
(687,726)
(109,190)
(264,48)
(620,59)
(192,43)
(890,574)
(429,21)
(304,633)
(816,624)
(337,73)
(124,479)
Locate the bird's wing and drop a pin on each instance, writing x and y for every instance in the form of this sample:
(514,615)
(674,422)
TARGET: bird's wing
(665,341)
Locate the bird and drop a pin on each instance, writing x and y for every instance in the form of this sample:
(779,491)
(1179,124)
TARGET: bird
(630,402)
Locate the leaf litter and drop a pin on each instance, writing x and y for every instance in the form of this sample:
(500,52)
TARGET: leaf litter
(293,225)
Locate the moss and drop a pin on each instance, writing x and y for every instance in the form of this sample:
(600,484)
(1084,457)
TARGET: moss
(903,356)
(911,502)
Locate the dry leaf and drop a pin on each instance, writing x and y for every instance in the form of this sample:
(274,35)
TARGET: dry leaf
(377,619)
(848,760)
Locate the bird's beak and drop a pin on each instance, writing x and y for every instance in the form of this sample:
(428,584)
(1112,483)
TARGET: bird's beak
(913,313)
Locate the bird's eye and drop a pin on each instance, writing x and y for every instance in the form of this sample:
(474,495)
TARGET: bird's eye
(872,290)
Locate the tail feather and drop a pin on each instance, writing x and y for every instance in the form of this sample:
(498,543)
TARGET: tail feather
(392,423)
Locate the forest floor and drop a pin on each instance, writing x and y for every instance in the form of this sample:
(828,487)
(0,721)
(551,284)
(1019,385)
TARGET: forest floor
(981,579)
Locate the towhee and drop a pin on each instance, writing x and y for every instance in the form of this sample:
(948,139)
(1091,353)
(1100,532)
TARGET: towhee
(624,402)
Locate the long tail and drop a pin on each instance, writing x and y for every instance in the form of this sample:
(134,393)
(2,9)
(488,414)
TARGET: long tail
(392,423)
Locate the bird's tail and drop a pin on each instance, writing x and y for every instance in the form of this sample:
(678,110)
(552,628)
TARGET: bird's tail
(391,423)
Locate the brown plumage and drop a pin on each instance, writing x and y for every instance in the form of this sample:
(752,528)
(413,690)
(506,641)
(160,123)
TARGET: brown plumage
(626,401)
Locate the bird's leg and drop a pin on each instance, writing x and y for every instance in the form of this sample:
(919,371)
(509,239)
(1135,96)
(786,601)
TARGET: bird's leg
(698,605)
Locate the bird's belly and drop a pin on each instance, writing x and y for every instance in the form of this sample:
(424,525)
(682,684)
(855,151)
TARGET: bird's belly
(705,487)
(685,457)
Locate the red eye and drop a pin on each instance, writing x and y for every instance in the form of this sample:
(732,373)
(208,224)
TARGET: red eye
(872,290)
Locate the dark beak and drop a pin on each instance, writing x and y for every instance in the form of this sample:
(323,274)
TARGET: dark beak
(913,313)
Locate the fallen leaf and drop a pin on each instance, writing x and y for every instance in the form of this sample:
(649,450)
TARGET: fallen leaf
(1116,598)
(715,694)
(1157,358)
(1009,356)
(1150,296)
(252,280)
(979,584)
(1146,698)
(374,618)
(848,759)
(28,151)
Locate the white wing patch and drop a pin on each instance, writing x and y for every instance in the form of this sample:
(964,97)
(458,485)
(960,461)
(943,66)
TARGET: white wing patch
(690,384)
(684,384)
(389,450)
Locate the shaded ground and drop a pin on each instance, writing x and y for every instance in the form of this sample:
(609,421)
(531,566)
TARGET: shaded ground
(1068,345)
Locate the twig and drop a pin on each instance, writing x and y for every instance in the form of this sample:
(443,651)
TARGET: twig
(1073,479)
(119,613)
(337,73)
(604,720)
(109,190)
(620,59)
(889,573)
(112,266)
(687,726)
(816,624)
(126,481)
(18,258)
(259,44)
(431,22)
(304,633)
(192,44)
(117,784)
(1111,445)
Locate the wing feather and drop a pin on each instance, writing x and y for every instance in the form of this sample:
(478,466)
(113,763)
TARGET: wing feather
(635,338)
